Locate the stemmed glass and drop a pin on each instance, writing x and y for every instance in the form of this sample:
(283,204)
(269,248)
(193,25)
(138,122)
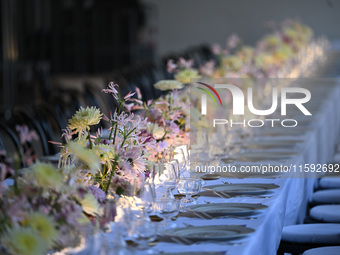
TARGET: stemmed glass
(184,150)
(145,196)
(167,208)
(164,175)
(181,153)
(189,186)
(142,232)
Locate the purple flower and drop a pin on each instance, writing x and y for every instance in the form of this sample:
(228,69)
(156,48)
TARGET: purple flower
(98,193)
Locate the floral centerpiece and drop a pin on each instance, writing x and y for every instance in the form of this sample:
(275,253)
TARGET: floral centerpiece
(122,152)
(43,210)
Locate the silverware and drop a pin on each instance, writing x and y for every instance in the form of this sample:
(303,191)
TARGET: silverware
(221,242)
(224,195)
(237,217)
(187,225)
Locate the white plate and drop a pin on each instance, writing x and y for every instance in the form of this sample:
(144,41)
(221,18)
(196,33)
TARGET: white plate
(220,209)
(242,188)
(208,177)
(276,142)
(208,233)
(253,155)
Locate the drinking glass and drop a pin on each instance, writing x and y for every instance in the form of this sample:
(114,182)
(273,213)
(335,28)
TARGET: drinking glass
(189,186)
(179,155)
(184,150)
(167,208)
(164,175)
(143,232)
(146,196)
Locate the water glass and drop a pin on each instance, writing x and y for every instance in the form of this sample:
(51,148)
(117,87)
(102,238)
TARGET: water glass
(167,208)
(189,186)
(164,175)
(142,232)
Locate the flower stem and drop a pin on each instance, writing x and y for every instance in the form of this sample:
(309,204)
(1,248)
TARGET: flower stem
(111,174)
(116,124)
(90,141)
(126,136)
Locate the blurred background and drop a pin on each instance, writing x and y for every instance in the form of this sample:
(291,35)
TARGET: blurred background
(67,44)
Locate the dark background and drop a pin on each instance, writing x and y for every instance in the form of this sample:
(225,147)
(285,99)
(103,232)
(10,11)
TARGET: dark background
(44,41)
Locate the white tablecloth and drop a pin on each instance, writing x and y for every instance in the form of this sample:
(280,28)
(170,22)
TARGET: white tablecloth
(287,204)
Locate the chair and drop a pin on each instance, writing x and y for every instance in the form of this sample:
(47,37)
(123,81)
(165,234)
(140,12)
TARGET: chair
(21,116)
(65,102)
(298,238)
(47,117)
(329,183)
(330,250)
(10,141)
(326,213)
(328,196)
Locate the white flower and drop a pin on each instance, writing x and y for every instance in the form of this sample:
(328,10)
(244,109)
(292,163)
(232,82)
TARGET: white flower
(90,205)
(168,85)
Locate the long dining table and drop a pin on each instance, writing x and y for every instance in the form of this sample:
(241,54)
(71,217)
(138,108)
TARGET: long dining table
(310,143)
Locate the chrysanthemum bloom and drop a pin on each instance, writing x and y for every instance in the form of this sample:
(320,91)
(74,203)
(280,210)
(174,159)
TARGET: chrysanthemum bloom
(84,118)
(90,205)
(86,156)
(23,241)
(105,152)
(155,130)
(185,75)
(45,226)
(168,85)
(233,63)
(46,175)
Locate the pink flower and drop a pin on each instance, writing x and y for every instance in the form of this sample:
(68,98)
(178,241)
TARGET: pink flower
(67,134)
(112,90)
(216,49)
(154,115)
(25,135)
(129,95)
(171,66)
(139,95)
(233,41)
(185,63)
(129,107)
(208,68)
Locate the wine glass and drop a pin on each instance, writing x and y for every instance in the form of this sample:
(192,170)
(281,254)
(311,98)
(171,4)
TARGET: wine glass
(184,150)
(167,208)
(164,175)
(189,186)
(146,196)
(179,155)
(142,232)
